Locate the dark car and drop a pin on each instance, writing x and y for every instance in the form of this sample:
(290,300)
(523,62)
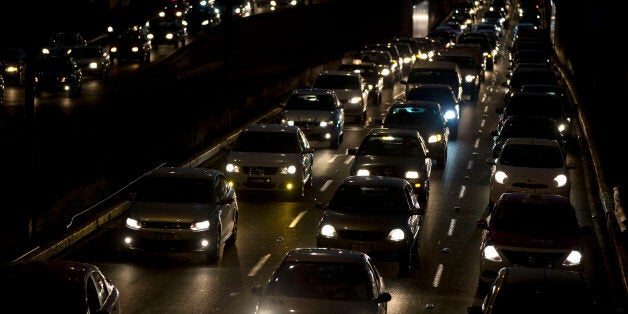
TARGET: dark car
(130,45)
(60,43)
(55,74)
(471,67)
(444,95)
(373,77)
(57,286)
(436,72)
(378,215)
(167,32)
(93,60)
(400,153)
(383,58)
(526,126)
(13,65)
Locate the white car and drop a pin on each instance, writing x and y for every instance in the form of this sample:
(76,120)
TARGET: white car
(351,89)
(271,157)
(529,165)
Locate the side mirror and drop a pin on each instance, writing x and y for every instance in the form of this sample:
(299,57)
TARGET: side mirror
(482,223)
(384,297)
(225,200)
(491,161)
(321,205)
(352,151)
(404,82)
(308,150)
(257,290)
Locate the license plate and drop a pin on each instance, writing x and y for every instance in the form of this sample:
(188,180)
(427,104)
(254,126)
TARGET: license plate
(259,180)
(164,236)
(362,247)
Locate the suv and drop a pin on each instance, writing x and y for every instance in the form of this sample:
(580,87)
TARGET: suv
(435,72)
(529,165)
(271,157)
(318,112)
(350,88)
(530,230)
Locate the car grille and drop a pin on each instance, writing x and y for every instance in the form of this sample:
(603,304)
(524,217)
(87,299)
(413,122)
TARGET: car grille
(306,124)
(530,185)
(530,259)
(258,171)
(388,171)
(361,235)
(165,225)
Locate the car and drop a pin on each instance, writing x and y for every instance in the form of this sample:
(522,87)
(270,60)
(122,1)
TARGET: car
(182,209)
(397,57)
(323,280)
(529,165)
(271,157)
(528,229)
(526,126)
(57,286)
(427,118)
(400,153)
(558,90)
(407,55)
(383,58)
(317,112)
(537,104)
(239,8)
(60,43)
(94,60)
(56,74)
(472,71)
(427,48)
(487,42)
(373,77)
(378,215)
(436,72)
(518,290)
(172,9)
(132,44)
(167,32)
(444,95)
(350,87)
(13,65)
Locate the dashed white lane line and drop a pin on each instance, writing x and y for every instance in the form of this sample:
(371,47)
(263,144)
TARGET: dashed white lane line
(259,265)
(439,273)
(452,226)
(330,160)
(462,190)
(326,185)
(296,220)
(477,143)
(470,165)
(349,160)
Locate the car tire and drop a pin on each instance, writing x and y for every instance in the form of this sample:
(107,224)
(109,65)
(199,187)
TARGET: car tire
(234,234)
(215,255)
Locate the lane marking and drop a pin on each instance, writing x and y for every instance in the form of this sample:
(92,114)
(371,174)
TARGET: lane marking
(462,190)
(439,273)
(330,160)
(349,160)
(326,185)
(477,143)
(470,165)
(296,220)
(452,225)
(259,265)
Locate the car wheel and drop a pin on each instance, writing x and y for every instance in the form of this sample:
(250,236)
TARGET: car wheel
(215,254)
(234,234)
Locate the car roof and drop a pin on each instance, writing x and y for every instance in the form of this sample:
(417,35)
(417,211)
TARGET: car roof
(414,103)
(374,181)
(271,127)
(530,141)
(436,64)
(316,254)
(184,172)
(313,91)
(339,72)
(432,86)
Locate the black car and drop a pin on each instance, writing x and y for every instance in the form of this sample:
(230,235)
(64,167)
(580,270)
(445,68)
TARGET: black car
(131,45)
(56,74)
(167,32)
(372,74)
(13,65)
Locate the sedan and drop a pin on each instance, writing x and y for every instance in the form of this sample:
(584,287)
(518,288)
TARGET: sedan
(397,153)
(445,96)
(377,215)
(94,61)
(57,74)
(372,74)
(55,286)
(167,32)
(182,209)
(130,45)
(530,230)
(526,126)
(13,65)
(323,280)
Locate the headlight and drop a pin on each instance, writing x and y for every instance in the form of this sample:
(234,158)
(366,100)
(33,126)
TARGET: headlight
(133,224)
(150,36)
(450,115)
(93,65)
(169,36)
(385,72)
(500,177)
(324,124)
(407,60)
(45,51)
(355,100)
(469,78)
(574,258)
(289,170)
(561,128)
(491,254)
(232,168)
(396,235)
(200,226)
(363,172)
(328,231)
(113,49)
(435,138)
(290,122)
(412,174)
(560,180)
(11,69)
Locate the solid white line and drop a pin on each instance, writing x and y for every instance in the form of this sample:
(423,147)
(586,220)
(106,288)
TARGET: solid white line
(326,185)
(461,193)
(296,220)
(259,265)
(330,160)
(452,225)
(477,143)
(399,95)
(470,165)
(439,273)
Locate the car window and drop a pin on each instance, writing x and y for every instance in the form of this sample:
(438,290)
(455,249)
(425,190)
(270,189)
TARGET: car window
(222,187)
(311,102)
(337,82)
(387,145)
(433,76)
(320,280)
(462,61)
(176,190)
(413,115)
(266,142)
(531,156)
(381,200)
(443,97)
(536,218)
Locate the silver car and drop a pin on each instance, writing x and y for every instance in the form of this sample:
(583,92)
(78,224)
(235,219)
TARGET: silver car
(182,209)
(350,88)
(318,112)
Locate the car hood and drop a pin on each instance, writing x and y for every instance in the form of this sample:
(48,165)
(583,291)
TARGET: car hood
(532,175)
(526,240)
(307,115)
(179,212)
(287,305)
(394,161)
(346,94)
(263,159)
(364,222)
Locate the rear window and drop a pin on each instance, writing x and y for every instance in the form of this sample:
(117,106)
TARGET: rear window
(434,76)
(531,156)
(310,102)
(266,142)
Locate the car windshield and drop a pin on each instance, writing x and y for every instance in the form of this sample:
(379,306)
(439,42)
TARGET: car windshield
(540,130)
(442,96)
(51,65)
(88,52)
(549,107)
(435,76)
(266,142)
(535,217)
(311,102)
(54,294)
(413,116)
(321,280)
(377,58)
(464,62)
(175,190)
(365,71)
(336,82)
(379,200)
(390,145)
(535,297)
(531,156)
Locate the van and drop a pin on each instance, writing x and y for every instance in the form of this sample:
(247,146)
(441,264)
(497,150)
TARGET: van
(435,72)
